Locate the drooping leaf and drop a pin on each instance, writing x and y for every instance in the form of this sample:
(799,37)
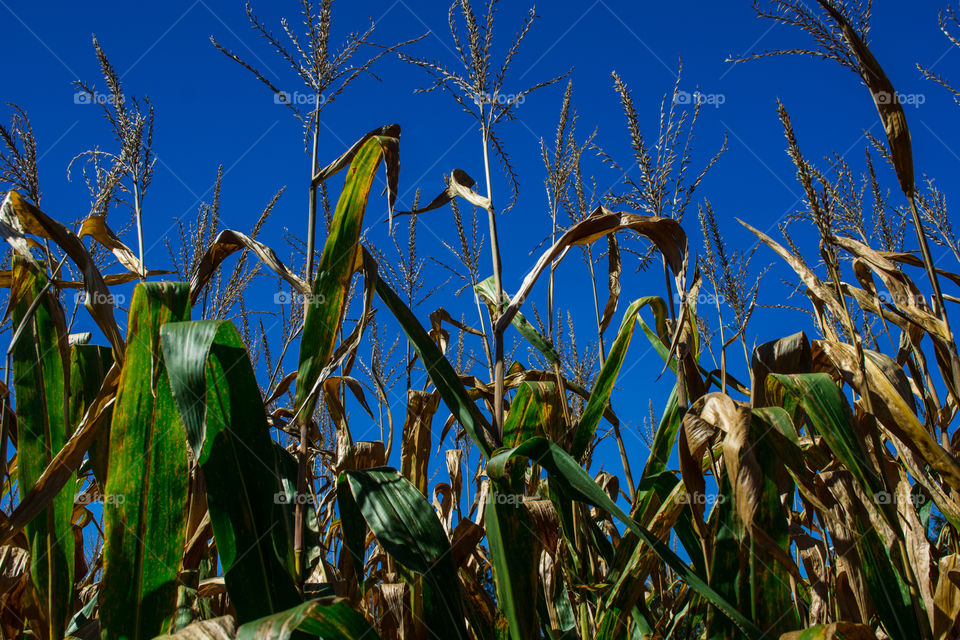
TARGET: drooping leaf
(885,97)
(459,183)
(408,529)
(228,242)
(440,370)
(665,233)
(15,212)
(96,227)
(328,618)
(786,355)
(219,402)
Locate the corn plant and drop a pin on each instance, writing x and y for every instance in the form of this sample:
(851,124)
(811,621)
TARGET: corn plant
(816,498)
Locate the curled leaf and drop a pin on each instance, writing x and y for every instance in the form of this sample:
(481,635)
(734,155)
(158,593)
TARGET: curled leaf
(230,241)
(665,233)
(18,214)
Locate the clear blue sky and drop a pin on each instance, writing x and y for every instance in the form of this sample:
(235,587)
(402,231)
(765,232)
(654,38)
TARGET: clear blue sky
(210,111)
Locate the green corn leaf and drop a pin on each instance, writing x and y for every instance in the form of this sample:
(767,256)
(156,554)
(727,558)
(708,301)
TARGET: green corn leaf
(655,494)
(833,631)
(888,590)
(603,387)
(565,473)
(532,413)
(439,369)
(729,565)
(407,528)
(148,476)
(83,617)
(488,293)
(328,618)
(665,437)
(216,393)
(829,415)
(663,486)
(40,379)
(771,600)
(515,554)
(88,368)
(327,303)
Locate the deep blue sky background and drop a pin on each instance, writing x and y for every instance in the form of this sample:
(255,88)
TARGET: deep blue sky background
(210,111)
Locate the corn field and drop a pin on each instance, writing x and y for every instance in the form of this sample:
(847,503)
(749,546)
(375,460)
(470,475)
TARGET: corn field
(175,481)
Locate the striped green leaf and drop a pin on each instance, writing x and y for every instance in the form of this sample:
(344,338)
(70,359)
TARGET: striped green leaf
(533,412)
(515,556)
(829,416)
(148,475)
(40,378)
(488,293)
(327,302)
